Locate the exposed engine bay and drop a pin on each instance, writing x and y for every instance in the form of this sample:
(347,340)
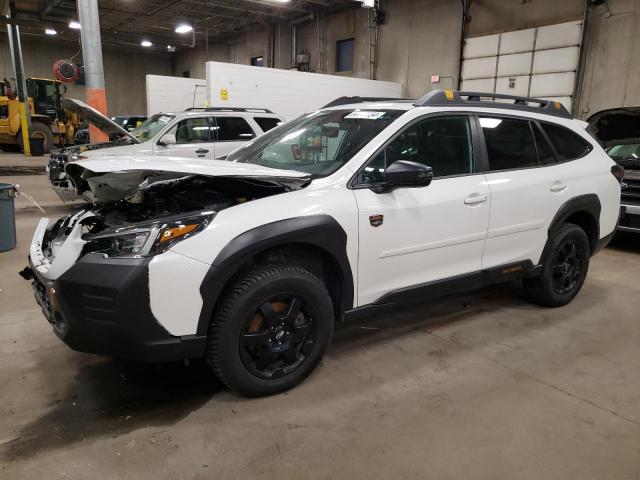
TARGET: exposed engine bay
(146,218)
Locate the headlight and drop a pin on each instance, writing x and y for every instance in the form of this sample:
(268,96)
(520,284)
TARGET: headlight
(145,240)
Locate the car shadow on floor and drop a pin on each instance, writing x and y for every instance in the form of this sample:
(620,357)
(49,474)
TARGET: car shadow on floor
(111,397)
(626,242)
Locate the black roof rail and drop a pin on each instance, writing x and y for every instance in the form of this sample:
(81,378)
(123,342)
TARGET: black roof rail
(228,109)
(348,100)
(447,98)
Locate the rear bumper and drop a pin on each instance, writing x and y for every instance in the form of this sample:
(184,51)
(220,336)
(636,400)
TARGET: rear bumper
(101,306)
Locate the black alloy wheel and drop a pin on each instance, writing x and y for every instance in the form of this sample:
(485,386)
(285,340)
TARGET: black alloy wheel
(278,338)
(270,329)
(565,264)
(567,267)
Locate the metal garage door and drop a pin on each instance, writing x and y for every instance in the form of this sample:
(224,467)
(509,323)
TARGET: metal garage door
(536,62)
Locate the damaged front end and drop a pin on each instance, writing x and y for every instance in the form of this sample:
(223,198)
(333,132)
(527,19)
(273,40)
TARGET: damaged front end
(90,270)
(140,213)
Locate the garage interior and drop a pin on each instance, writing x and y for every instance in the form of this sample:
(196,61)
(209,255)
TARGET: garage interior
(475,385)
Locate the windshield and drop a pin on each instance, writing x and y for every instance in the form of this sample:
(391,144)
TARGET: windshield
(625,151)
(318,143)
(151,126)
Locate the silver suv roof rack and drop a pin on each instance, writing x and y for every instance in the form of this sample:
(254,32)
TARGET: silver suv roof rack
(448,98)
(228,109)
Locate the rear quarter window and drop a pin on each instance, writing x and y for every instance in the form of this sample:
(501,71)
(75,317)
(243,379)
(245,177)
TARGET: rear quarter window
(568,145)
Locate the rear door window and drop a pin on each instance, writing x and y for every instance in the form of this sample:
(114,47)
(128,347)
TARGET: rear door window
(267,123)
(230,129)
(568,145)
(510,143)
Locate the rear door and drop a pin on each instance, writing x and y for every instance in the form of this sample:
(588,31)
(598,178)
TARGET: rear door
(527,188)
(231,132)
(193,139)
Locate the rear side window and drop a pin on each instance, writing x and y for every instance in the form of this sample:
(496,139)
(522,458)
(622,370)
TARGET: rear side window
(510,143)
(267,123)
(232,129)
(568,145)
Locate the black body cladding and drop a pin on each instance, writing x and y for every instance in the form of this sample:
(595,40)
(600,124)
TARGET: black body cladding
(102,306)
(320,231)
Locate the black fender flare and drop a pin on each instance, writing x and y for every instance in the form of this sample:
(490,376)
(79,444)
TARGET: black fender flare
(321,231)
(589,203)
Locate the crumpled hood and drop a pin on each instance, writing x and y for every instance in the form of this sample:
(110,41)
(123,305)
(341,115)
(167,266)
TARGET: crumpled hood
(93,116)
(109,179)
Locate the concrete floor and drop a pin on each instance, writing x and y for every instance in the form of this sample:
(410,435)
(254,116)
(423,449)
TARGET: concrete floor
(482,386)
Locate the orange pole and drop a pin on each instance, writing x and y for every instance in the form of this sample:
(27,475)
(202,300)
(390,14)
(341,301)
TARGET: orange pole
(97,98)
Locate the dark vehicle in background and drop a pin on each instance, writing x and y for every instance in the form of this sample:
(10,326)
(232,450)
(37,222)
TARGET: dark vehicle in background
(618,131)
(129,123)
(81,136)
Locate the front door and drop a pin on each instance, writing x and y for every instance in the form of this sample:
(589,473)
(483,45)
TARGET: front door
(412,236)
(193,139)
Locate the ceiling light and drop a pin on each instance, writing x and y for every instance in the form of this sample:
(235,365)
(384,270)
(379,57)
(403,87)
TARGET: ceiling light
(184,28)
(171,48)
(50,31)
(146,43)
(75,25)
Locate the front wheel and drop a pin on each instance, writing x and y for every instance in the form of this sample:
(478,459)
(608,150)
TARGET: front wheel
(271,330)
(564,268)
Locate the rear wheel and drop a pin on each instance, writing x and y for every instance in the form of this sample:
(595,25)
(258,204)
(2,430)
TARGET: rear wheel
(271,330)
(38,130)
(564,268)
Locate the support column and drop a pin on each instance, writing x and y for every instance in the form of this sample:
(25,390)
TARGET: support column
(21,86)
(92,56)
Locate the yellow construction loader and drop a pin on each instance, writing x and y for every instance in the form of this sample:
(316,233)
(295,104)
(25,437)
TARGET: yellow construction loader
(49,120)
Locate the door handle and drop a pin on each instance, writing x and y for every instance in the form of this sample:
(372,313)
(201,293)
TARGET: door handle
(475,198)
(202,151)
(557,187)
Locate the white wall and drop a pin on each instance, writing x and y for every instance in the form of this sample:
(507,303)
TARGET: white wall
(285,92)
(174,94)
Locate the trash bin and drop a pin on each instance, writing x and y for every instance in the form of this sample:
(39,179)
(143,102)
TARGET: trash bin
(7,217)
(37,146)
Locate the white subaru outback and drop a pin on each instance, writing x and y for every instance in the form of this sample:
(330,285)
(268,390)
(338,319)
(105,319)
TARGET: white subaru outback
(352,209)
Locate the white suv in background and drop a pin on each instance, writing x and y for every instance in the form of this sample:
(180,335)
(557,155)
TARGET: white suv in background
(356,208)
(195,133)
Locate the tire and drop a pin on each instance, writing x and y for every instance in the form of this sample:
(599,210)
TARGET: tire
(270,330)
(564,268)
(38,130)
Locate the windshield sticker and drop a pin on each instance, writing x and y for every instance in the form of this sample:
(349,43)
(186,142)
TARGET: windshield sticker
(363,115)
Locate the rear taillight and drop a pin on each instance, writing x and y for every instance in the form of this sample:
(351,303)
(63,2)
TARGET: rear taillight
(618,172)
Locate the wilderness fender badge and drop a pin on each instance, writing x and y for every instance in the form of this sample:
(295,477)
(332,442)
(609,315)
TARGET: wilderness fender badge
(376,220)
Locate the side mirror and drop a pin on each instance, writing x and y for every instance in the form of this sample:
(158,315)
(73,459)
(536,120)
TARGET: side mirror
(167,139)
(405,173)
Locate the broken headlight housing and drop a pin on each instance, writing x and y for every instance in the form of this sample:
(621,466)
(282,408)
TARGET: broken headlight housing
(144,240)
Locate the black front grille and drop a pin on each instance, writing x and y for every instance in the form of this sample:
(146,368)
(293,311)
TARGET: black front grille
(631,194)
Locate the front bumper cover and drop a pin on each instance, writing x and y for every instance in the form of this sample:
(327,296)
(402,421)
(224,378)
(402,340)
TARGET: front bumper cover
(101,305)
